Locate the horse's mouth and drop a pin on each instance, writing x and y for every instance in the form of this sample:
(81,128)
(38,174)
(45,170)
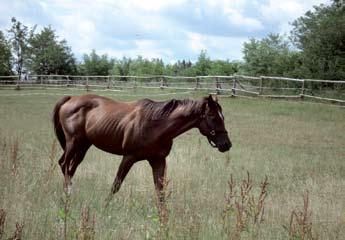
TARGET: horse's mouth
(222,147)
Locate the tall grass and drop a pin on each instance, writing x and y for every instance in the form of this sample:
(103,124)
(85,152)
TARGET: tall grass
(299,147)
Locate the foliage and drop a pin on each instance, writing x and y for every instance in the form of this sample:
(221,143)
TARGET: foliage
(320,35)
(270,56)
(5,56)
(50,56)
(143,66)
(19,35)
(226,68)
(181,68)
(203,65)
(122,67)
(94,64)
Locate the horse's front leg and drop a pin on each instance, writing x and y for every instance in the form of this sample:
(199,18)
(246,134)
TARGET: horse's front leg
(125,165)
(159,170)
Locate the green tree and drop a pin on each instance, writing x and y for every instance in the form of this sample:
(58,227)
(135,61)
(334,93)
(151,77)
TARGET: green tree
(203,65)
(93,64)
(5,56)
(269,56)
(19,35)
(122,67)
(50,56)
(221,67)
(320,35)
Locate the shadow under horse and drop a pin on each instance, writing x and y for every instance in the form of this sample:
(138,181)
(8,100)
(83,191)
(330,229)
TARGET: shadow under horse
(138,130)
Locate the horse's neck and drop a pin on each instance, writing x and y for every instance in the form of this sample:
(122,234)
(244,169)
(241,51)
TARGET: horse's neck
(178,123)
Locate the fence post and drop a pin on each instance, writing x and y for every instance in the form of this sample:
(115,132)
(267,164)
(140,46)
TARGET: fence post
(87,83)
(261,84)
(162,82)
(196,83)
(108,83)
(234,86)
(18,83)
(134,83)
(302,90)
(218,86)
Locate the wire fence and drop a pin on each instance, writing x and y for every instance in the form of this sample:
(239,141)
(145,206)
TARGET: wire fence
(235,85)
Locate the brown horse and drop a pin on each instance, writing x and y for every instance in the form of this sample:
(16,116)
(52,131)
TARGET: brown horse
(139,130)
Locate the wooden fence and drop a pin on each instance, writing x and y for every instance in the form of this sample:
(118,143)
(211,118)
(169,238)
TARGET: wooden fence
(235,85)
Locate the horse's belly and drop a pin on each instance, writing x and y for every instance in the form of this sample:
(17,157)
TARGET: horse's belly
(108,144)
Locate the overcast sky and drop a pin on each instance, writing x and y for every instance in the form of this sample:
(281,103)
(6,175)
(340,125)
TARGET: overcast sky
(167,29)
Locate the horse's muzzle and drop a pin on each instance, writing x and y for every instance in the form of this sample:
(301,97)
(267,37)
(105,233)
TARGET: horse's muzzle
(222,143)
(224,146)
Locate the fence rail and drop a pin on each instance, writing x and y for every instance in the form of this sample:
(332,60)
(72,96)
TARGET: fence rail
(234,85)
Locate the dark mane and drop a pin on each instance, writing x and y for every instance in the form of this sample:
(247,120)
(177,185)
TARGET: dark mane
(161,110)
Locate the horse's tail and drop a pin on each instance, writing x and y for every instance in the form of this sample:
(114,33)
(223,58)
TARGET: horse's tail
(56,121)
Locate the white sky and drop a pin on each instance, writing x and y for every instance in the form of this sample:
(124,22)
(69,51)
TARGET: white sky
(168,29)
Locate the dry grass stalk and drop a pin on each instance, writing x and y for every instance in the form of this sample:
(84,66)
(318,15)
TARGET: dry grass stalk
(3,151)
(161,204)
(258,206)
(228,158)
(87,225)
(64,213)
(14,157)
(52,165)
(242,205)
(300,222)
(2,222)
(17,235)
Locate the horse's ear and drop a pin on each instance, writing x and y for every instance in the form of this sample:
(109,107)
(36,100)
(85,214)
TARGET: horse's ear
(211,101)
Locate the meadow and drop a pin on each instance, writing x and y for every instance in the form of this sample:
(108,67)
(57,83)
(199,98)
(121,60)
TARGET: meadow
(299,146)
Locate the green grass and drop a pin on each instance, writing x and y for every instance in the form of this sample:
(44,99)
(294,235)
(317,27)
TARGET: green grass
(299,146)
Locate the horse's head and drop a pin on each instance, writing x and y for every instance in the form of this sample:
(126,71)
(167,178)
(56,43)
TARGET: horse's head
(212,125)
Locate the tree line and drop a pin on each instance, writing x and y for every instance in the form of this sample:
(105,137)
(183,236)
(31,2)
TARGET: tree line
(315,48)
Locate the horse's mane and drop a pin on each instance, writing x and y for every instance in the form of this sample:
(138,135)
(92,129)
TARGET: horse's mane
(160,110)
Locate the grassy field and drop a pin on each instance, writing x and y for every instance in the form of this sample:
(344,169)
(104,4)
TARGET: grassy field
(300,147)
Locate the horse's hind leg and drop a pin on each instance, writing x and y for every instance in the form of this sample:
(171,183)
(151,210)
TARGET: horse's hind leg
(78,157)
(71,158)
(64,163)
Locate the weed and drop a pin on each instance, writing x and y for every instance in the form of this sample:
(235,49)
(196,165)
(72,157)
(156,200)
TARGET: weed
(64,213)
(86,229)
(52,158)
(15,157)
(17,235)
(2,222)
(242,206)
(162,204)
(300,226)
